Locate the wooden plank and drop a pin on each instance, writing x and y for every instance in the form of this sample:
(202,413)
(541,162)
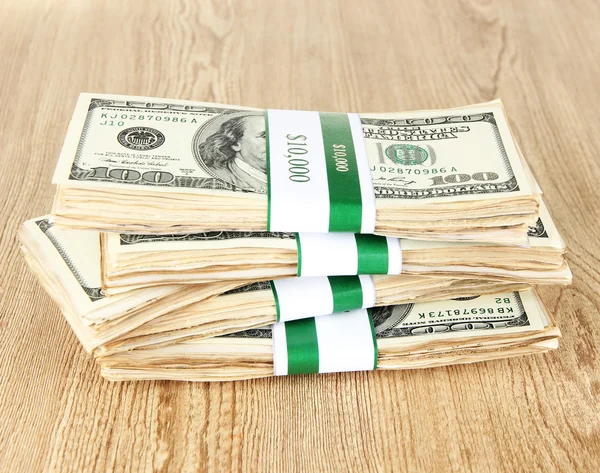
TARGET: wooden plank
(540,413)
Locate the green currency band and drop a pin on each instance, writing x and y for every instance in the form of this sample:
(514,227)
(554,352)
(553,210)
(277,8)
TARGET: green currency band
(347,293)
(343,182)
(303,345)
(372,251)
(373,257)
(345,200)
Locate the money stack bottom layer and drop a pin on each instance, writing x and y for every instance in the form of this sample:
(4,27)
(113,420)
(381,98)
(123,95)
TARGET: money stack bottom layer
(161,332)
(454,332)
(164,332)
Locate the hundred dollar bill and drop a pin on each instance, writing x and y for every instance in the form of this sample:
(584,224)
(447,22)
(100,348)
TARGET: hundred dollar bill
(172,144)
(432,171)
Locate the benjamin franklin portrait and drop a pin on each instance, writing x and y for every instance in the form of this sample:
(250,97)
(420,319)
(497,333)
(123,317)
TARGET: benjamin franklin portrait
(233,149)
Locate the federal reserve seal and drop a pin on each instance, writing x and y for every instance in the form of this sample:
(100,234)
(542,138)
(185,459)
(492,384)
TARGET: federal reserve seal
(407,155)
(141,138)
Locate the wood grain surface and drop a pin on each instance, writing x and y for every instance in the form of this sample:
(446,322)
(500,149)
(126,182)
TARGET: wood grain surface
(539,413)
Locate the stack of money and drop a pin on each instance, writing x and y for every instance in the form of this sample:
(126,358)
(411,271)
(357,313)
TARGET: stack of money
(422,335)
(135,261)
(156,166)
(174,253)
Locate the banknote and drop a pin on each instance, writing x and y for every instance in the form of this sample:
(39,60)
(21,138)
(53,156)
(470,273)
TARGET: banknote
(126,239)
(188,146)
(74,257)
(74,254)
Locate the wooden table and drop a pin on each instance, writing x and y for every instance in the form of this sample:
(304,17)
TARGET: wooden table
(539,413)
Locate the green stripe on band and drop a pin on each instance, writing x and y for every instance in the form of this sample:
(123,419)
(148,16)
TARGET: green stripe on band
(344,341)
(299,248)
(302,346)
(347,293)
(345,212)
(374,335)
(276,297)
(373,255)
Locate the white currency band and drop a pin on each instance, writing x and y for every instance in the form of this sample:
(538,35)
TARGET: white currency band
(299,298)
(345,343)
(336,254)
(304,205)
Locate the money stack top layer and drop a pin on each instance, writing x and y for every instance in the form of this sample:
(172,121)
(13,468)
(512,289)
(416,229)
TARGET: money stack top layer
(138,164)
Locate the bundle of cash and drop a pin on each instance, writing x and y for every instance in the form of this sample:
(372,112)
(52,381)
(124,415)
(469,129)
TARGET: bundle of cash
(135,261)
(159,166)
(407,336)
(67,262)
